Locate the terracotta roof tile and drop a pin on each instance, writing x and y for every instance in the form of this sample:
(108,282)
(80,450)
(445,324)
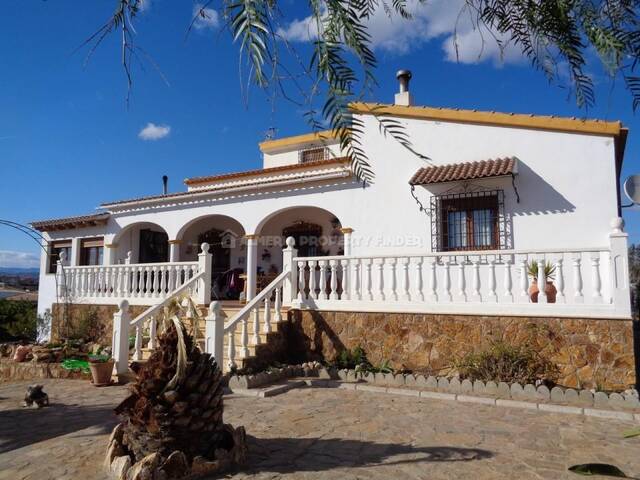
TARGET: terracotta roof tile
(464,171)
(264,171)
(71,222)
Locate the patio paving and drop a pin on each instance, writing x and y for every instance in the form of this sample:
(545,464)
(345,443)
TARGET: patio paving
(325,433)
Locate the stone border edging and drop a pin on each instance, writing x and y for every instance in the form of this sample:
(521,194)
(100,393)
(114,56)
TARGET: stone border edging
(280,388)
(500,392)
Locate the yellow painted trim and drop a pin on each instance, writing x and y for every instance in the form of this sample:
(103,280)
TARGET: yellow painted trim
(270,145)
(111,245)
(538,122)
(346,230)
(251,236)
(175,242)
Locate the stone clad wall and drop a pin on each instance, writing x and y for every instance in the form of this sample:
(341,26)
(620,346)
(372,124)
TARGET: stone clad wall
(590,353)
(79,312)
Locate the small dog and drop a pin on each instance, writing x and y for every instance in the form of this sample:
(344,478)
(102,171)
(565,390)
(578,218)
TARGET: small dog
(36,395)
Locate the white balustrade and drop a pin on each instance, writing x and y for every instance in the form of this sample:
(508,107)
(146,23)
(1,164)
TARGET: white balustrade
(484,282)
(139,284)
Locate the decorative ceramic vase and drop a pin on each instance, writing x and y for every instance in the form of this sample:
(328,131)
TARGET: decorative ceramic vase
(550,290)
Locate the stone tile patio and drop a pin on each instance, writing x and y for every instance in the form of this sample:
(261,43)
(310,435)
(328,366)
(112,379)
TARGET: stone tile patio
(325,433)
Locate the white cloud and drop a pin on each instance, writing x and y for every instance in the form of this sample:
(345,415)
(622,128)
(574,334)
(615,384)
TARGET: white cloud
(144,5)
(447,21)
(11,259)
(205,17)
(154,132)
(304,30)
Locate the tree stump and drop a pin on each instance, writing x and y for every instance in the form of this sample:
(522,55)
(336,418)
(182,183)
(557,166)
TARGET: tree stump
(173,416)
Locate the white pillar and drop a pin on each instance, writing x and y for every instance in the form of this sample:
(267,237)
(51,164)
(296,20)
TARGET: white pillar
(291,282)
(619,268)
(75,252)
(174,250)
(214,333)
(109,255)
(60,276)
(120,339)
(252,265)
(205,263)
(346,238)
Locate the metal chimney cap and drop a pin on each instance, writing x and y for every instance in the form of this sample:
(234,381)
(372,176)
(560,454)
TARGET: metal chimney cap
(403,74)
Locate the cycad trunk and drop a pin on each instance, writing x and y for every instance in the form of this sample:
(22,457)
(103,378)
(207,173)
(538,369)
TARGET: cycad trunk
(164,415)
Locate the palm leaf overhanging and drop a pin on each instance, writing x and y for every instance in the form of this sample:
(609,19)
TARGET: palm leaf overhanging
(557,36)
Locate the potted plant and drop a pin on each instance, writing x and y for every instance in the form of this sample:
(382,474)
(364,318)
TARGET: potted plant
(549,289)
(101,367)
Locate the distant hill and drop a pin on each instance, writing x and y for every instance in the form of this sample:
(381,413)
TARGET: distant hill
(27,272)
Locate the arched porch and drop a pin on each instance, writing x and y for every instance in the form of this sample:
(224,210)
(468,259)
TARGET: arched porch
(142,242)
(225,236)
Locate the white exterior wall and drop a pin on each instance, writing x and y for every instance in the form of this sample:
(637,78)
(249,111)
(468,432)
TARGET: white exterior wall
(47,281)
(290,156)
(566,182)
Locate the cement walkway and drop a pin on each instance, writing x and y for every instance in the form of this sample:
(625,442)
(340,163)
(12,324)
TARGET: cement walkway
(326,433)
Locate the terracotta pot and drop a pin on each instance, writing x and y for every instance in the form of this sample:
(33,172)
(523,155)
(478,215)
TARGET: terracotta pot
(550,290)
(101,373)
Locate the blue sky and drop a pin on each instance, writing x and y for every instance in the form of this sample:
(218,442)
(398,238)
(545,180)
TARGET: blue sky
(68,141)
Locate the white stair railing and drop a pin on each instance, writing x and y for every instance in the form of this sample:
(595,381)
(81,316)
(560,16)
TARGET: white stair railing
(261,303)
(197,287)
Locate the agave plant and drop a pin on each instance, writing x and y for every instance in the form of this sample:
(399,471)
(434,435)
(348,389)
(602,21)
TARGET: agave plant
(549,270)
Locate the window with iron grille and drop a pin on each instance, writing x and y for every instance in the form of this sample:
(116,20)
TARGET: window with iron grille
(468,221)
(313,155)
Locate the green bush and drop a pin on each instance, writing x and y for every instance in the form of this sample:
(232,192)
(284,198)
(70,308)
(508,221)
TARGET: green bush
(357,359)
(503,362)
(18,320)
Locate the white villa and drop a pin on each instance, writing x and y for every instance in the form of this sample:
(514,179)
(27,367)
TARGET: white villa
(453,234)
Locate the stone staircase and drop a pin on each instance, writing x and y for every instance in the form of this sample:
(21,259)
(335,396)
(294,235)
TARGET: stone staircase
(259,354)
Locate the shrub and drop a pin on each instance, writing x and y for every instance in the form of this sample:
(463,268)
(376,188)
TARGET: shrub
(357,359)
(18,320)
(503,362)
(351,358)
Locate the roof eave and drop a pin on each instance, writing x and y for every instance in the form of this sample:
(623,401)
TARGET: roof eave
(514,120)
(193,194)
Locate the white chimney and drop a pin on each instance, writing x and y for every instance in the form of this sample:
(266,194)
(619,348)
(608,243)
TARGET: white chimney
(404,97)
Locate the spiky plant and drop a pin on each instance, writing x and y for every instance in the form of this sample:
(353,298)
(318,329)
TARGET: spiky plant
(549,270)
(176,402)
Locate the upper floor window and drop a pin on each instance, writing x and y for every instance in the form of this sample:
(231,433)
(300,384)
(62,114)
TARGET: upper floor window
(91,251)
(313,155)
(468,221)
(54,254)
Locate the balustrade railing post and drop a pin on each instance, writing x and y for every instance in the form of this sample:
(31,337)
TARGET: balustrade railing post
(619,268)
(462,283)
(596,281)
(577,279)
(334,280)
(542,281)
(278,304)
(214,332)
(267,314)
(137,346)
(492,295)
(508,281)
(205,264)
(120,339)
(476,281)
(524,280)
(560,296)
(290,283)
